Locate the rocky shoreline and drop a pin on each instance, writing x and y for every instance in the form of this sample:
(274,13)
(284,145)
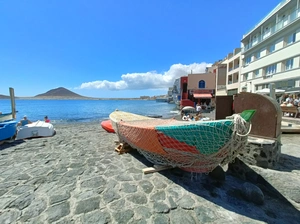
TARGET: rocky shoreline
(77,177)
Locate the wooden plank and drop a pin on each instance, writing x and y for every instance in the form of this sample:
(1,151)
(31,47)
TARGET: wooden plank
(156,168)
(123,148)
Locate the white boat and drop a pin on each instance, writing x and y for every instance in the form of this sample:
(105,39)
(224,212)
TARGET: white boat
(35,129)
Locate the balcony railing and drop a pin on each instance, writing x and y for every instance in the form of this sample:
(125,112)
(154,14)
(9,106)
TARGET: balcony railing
(270,13)
(274,29)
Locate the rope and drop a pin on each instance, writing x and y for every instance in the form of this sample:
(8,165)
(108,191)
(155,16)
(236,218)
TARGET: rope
(196,147)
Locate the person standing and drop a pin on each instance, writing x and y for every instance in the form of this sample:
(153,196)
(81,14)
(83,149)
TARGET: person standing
(46,119)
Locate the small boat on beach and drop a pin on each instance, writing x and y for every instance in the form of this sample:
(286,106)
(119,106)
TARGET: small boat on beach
(192,146)
(35,129)
(6,117)
(8,129)
(107,126)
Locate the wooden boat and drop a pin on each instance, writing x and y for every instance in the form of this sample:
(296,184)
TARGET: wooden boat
(35,129)
(193,146)
(107,126)
(8,129)
(6,117)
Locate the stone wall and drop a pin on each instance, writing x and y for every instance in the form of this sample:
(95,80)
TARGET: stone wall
(262,152)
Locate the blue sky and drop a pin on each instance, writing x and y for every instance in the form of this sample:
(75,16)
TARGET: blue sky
(116,48)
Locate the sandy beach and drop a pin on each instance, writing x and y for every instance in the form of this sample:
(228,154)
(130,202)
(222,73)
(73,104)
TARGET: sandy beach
(77,177)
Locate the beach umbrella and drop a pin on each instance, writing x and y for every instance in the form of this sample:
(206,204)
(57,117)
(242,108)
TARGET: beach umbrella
(267,91)
(188,108)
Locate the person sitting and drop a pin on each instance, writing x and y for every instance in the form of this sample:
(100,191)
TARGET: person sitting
(46,119)
(24,121)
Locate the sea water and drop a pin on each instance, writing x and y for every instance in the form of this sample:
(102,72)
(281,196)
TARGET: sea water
(65,111)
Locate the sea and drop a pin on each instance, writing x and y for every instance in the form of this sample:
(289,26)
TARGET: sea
(68,111)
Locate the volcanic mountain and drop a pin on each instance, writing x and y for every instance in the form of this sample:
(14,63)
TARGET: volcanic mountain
(59,93)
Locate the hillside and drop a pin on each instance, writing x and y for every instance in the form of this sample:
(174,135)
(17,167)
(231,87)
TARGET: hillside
(59,93)
(4,97)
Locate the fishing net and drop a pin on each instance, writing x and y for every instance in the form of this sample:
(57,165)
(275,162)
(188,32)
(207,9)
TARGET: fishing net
(193,146)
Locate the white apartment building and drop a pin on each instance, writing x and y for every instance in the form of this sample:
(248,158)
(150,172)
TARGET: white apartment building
(271,51)
(233,61)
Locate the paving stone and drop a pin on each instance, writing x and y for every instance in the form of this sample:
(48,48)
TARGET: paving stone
(99,217)
(22,201)
(158,196)
(205,215)
(186,202)
(58,211)
(59,170)
(160,219)
(34,209)
(8,185)
(9,216)
(90,193)
(111,183)
(94,182)
(133,170)
(117,205)
(138,221)
(142,212)
(146,185)
(110,195)
(128,188)
(87,205)
(172,203)
(124,177)
(59,196)
(179,217)
(159,184)
(138,198)
(3,191)
(161,207)
(74,172)
(21,189)
(124,216)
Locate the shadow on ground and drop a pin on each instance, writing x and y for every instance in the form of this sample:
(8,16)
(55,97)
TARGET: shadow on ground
(229,193)
(7,145)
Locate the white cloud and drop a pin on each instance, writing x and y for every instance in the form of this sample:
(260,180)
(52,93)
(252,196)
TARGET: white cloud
(147,80)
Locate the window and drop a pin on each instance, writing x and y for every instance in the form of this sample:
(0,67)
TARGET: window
(201,84)
(257,56)
(272,48)
(289,64)
(291,39)
(256,73)
(247,60)
(245,77)
(271,69)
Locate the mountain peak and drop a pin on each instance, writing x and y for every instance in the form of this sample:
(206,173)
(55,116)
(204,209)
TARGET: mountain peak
(60,92)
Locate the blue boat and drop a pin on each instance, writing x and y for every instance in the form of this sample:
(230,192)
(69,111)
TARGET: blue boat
(8,129)
(6,117)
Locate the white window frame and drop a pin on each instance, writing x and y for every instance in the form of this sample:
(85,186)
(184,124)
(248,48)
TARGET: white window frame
(271,69)
(256,73)
(272,48)
(289,64)
(291,39)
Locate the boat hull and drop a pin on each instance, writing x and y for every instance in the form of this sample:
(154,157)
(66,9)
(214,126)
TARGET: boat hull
(8,129)
(192,146)
(107,126)
(36,129)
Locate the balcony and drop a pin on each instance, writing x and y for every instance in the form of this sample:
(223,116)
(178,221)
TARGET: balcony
(270,13)
(277,27)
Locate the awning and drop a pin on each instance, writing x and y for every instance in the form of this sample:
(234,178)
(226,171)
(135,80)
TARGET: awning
(202,95)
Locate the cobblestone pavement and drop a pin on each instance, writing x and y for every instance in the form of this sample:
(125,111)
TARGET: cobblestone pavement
(76,177)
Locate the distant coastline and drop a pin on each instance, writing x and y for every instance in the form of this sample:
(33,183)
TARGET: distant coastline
(62,93)
(70,98)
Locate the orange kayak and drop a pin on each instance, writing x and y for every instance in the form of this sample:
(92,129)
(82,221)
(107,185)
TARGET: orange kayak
(107,126)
